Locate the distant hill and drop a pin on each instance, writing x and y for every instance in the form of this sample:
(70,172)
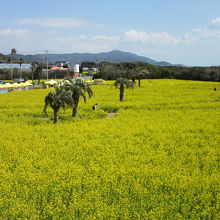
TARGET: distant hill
(30,58)
(115,56)
(163,63)
(6,59)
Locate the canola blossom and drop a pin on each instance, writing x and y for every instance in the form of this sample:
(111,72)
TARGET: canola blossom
(157,158)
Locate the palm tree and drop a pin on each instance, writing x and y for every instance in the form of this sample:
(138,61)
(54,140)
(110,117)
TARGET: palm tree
(139,79)
(141,75)
(56,100)
(136,72)
(13,51)
(130,74)
(37,71)
(123,82)
(20,63)
(78,88)
(33,67)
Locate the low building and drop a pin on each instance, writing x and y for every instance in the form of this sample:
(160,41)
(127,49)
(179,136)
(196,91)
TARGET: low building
(89,71)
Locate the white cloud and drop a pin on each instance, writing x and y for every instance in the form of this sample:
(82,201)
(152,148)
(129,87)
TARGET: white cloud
(56,22)
(201,34)
(216,21)
(150,37)
(82,37)
(13,32)
(107,38)
(206,33)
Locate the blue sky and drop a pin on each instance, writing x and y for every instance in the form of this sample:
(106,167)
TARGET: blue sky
(177,31)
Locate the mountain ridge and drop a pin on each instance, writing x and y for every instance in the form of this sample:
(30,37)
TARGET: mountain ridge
(114,56)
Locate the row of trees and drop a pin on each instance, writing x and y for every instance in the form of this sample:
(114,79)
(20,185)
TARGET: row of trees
(69,95)
(111,71)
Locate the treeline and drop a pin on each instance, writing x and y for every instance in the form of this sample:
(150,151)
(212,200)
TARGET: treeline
(111,71)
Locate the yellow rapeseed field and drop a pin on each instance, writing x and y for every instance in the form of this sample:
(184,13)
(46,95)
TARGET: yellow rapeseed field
(157,158)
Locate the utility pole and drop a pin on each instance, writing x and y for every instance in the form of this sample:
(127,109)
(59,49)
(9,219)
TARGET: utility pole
(47,63)
(11,71)
(97,63)
(13,51)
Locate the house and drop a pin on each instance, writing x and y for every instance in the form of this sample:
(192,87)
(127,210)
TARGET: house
(60,65)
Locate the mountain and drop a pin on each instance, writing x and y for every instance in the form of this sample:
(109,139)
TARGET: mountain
(163,63)
(115,56)
(6,59)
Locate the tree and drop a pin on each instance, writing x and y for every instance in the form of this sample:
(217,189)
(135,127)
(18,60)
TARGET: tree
(140,75)
(56,100)
(13,51)
(88,64)
(33,67)
(37,71)
(78,88)
(123,82)
(20,63)
(134,72)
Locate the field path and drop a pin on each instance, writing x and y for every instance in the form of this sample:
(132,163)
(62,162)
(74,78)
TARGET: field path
(111,115)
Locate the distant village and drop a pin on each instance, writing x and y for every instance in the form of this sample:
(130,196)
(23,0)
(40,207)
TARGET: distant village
(73,69)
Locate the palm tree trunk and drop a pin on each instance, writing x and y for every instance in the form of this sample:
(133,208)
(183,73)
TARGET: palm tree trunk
(75,110)
(139,82)
(20,71)
(133,82)
(132,85)
(121,96)
(56,116)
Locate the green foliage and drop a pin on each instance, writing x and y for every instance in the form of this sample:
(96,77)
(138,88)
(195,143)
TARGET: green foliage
(13,51)
(37,71)
(121,82)
(131,70)
(58,74)
(78,89)
(110,108)
(158,158)
(128,70)
(21,61)
(88,64)
(56,100)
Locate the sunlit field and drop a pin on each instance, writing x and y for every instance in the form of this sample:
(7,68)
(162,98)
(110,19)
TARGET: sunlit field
(157,158)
